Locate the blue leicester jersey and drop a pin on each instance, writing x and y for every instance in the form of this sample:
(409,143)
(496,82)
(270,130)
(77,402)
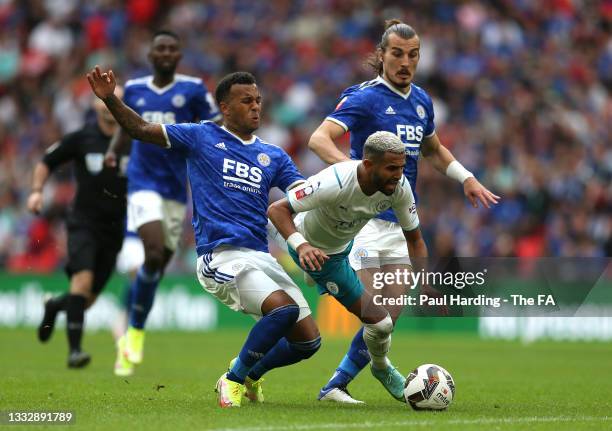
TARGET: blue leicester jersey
(230,183)
(375,106)
(184,100)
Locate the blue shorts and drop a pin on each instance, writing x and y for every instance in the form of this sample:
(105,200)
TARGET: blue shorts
(336,277)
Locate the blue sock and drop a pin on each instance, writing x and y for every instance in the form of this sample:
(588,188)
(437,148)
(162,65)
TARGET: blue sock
(353,362)
(264,335)
(284,353)
(143,293)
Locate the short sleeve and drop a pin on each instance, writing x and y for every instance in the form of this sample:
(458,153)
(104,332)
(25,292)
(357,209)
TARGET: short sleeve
(204,106)
(349,112)
(288,174)
(181,137)
(317,191)
(430,127)
(128,96)
(404,206)
(62,151)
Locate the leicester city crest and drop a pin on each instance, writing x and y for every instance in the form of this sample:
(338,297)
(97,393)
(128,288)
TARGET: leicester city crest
(178,101)
(263,159)
(420,111)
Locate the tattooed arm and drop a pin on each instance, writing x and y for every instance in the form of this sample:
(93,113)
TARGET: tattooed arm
(103,85)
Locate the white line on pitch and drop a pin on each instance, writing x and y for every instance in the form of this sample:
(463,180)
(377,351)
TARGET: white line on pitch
(424,422)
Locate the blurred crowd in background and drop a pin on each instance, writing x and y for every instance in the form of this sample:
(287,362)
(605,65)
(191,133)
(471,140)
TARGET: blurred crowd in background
(521,92)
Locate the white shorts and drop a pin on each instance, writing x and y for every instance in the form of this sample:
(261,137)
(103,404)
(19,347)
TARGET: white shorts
(145,206)
(242,279)
(131,257)
(379,243)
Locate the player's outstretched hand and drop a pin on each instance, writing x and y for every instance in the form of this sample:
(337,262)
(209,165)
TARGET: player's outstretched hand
(102,84)
(35,202)
(311,258)
(476,192)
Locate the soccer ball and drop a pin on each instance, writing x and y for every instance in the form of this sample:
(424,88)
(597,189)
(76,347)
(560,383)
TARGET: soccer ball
(429,387)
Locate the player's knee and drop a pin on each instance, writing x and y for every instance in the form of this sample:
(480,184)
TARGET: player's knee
(286,315)
(381,329)
(306,348)
(82,286)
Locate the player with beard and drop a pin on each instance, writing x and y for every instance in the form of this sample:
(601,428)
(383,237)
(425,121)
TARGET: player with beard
(390,102)
(331,209)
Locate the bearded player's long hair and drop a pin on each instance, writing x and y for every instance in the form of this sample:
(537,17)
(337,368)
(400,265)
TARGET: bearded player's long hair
(396,26)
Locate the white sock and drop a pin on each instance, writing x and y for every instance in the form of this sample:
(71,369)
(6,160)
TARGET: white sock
(377,336)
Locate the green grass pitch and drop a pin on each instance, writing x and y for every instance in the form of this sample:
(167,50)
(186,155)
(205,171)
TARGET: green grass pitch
(500,385)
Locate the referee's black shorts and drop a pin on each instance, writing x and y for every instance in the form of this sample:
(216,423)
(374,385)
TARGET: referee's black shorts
(93,246)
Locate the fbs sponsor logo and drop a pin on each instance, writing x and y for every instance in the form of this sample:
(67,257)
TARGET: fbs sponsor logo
(410,133)
(160,117)
(238,175)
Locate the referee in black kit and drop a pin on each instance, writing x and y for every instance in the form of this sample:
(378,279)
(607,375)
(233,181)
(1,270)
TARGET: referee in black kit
(95,223)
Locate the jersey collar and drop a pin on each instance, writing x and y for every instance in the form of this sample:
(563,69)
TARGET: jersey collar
(160,90)
(249,142)
(384,82)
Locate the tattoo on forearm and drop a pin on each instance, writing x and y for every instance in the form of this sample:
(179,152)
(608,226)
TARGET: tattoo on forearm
(131,122)
(126,117)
